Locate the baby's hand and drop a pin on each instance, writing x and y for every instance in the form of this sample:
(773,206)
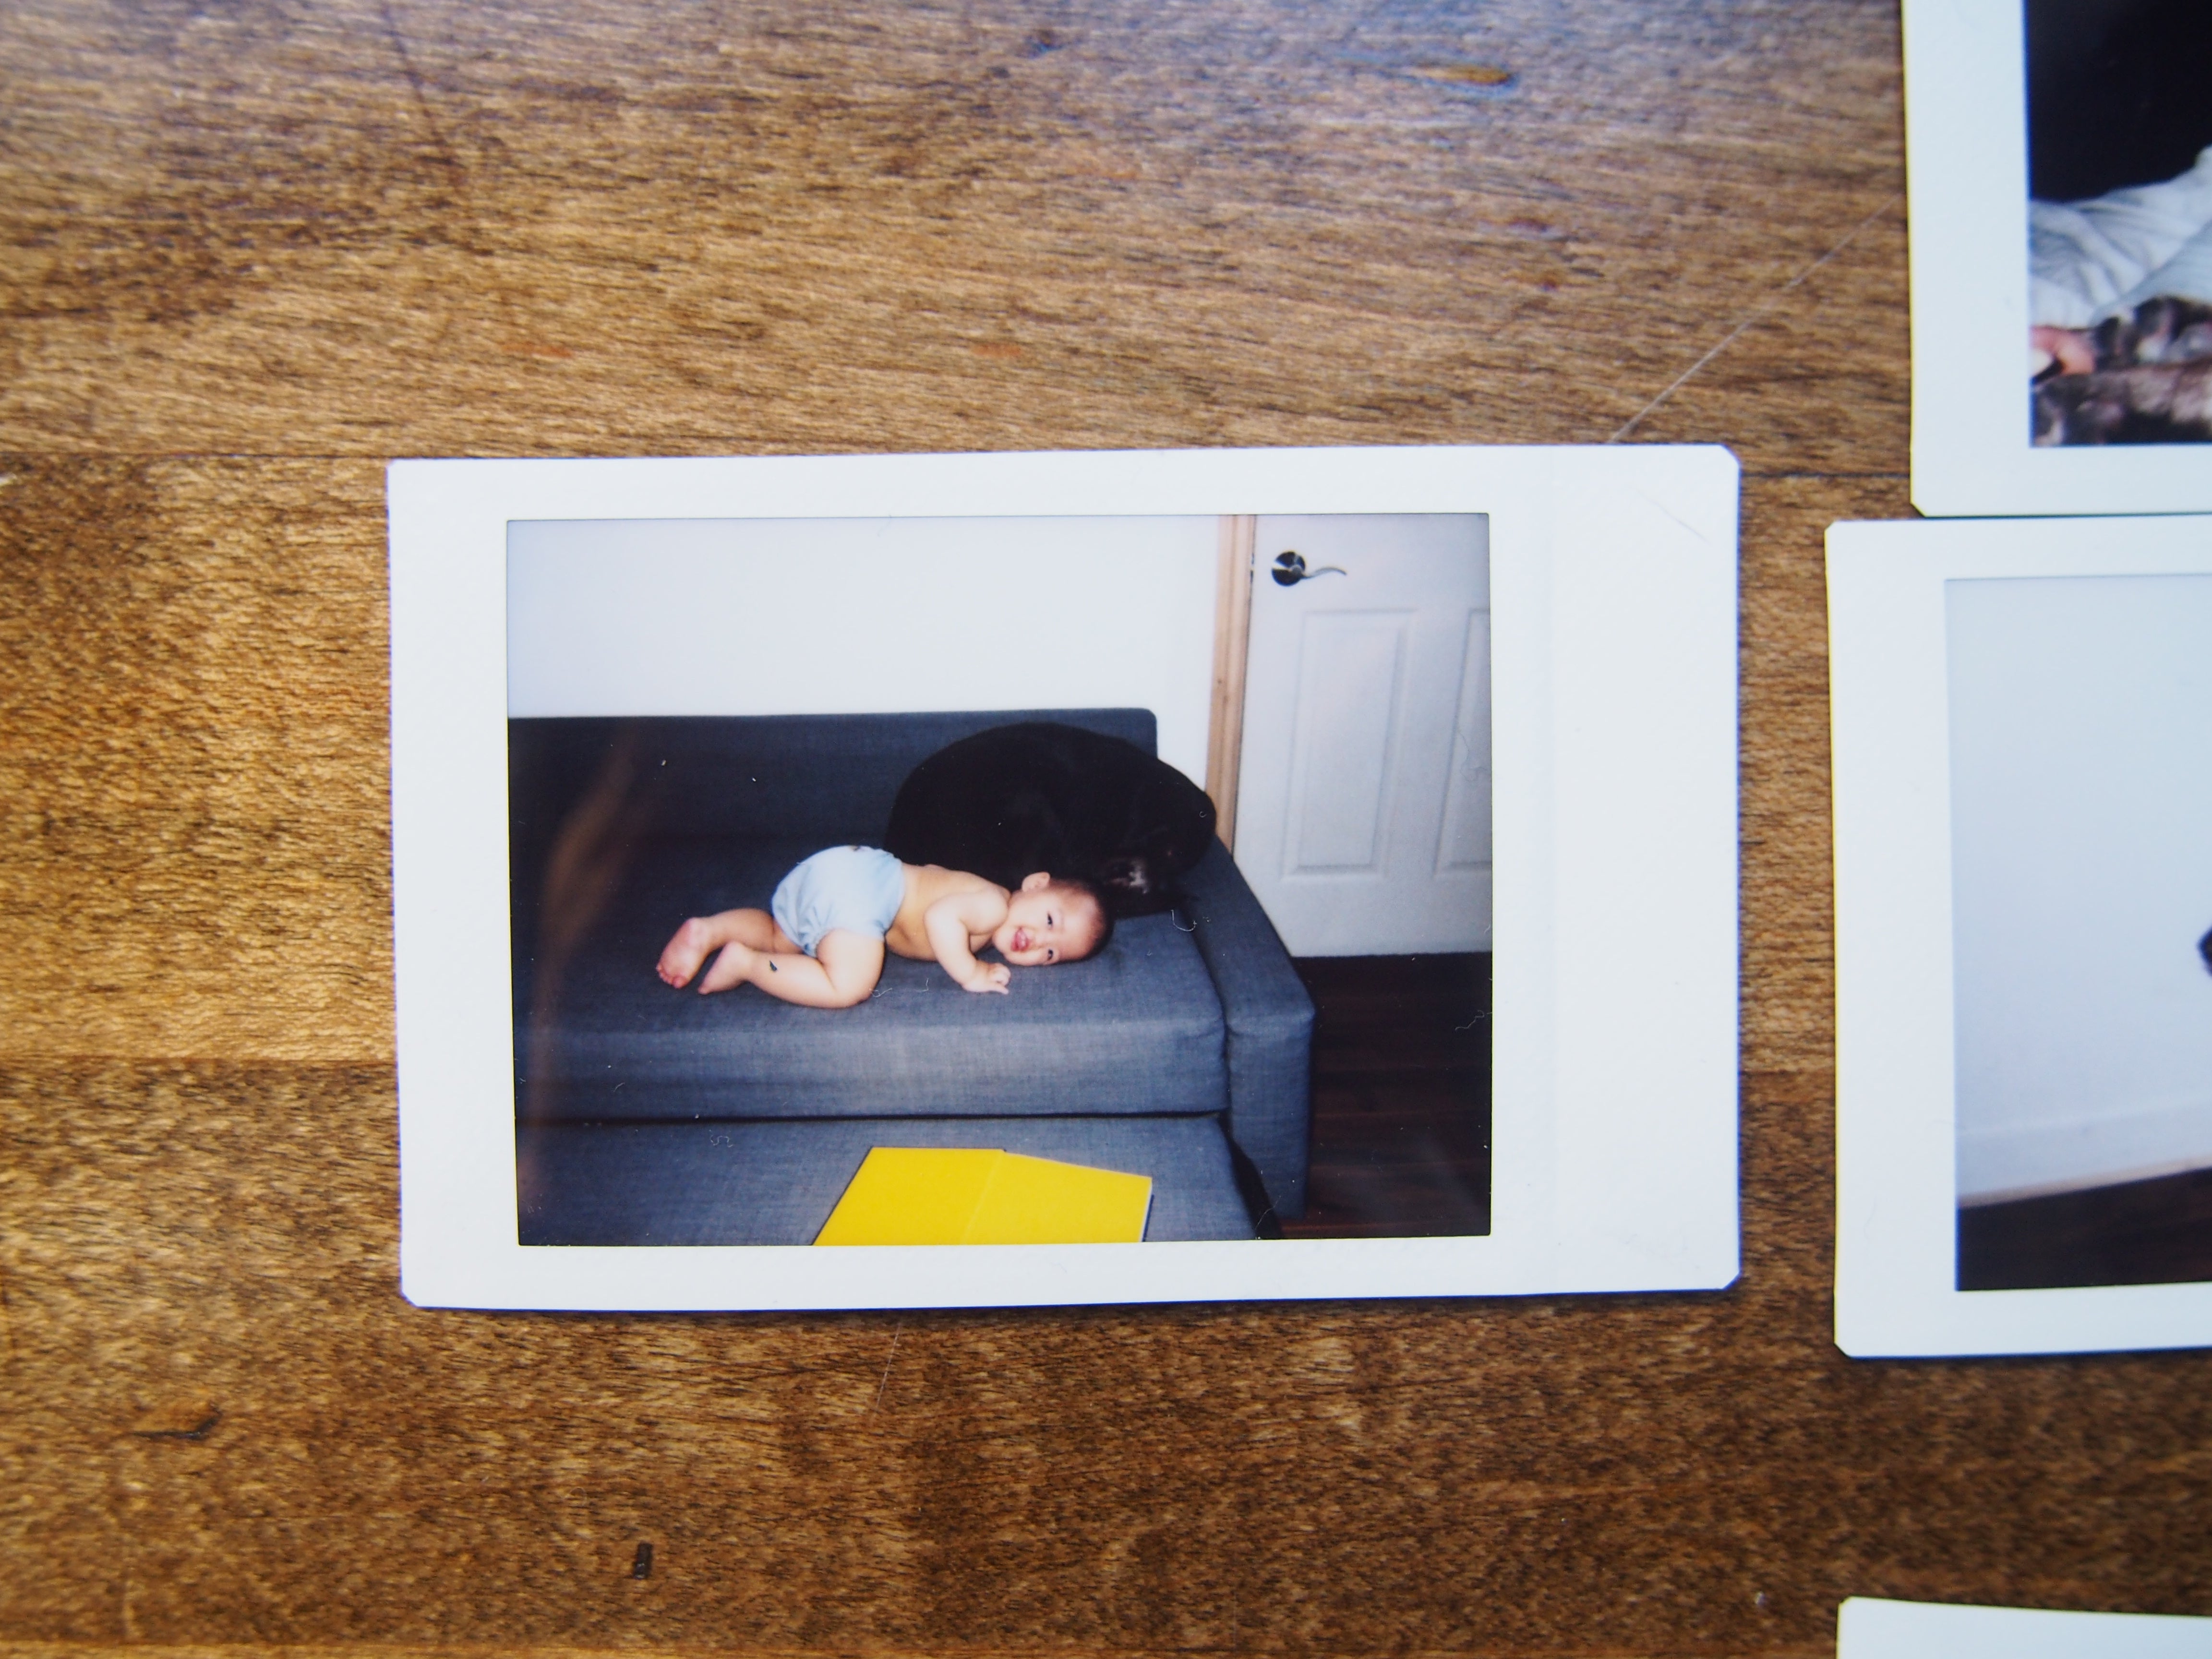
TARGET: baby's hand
(990,976)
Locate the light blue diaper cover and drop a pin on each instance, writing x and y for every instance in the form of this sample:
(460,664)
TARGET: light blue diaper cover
(857,888)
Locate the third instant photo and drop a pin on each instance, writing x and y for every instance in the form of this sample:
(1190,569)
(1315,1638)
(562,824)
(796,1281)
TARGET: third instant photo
(2022,715)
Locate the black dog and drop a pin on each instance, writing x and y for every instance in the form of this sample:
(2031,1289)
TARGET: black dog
(1040,796)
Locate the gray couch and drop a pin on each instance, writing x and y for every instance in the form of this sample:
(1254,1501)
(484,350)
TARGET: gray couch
(651,1116)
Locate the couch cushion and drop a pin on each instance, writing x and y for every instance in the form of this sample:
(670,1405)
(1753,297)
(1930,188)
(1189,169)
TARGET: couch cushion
(1136,1029)
(806,776)
(775,1183)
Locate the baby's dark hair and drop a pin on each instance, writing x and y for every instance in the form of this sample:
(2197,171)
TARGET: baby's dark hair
(1104,911)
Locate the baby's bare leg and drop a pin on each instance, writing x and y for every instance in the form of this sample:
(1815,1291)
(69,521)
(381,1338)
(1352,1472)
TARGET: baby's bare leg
(843,971)
(701,937)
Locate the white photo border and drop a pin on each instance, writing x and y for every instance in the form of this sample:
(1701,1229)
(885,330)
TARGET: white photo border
(1871,1628)
(1896,1154)
(1613,575)
(1966,124)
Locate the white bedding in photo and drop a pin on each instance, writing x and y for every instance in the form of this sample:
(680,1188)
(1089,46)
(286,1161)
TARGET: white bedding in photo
(2102,258)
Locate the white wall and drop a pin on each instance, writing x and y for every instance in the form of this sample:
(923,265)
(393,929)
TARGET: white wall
(855,616)
(2082,845)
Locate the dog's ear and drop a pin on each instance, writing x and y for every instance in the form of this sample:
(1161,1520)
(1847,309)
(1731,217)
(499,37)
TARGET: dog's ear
(1135,886)
(1130,874)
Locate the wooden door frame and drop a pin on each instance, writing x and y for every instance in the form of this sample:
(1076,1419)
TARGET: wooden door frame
(1233,631)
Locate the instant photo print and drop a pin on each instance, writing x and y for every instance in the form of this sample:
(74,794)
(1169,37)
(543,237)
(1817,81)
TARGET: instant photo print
(2022,715)
(2061,201)
(1867,1628)
(957,880)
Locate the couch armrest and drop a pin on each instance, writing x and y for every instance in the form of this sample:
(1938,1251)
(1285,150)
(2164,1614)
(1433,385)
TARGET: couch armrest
(1270,1020)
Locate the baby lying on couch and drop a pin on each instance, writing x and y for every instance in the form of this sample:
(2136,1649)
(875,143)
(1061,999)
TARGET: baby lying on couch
(821,942)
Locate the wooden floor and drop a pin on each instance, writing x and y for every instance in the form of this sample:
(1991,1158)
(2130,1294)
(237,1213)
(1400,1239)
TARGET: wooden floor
(1402,1096)
(2136,1232)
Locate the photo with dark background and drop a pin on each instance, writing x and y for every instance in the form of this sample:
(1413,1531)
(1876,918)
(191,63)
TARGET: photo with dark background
(2120,243)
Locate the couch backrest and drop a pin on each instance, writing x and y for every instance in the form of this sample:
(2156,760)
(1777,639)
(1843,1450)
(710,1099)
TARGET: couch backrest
(826,777)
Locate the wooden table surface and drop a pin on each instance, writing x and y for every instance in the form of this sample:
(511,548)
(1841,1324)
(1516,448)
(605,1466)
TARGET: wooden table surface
(252,248)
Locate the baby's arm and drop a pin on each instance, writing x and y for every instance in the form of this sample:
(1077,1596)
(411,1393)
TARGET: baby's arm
(2069,348)
(950,921)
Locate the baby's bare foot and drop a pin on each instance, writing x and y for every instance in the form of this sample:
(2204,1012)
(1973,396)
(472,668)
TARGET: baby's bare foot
(730,967)
(685,952)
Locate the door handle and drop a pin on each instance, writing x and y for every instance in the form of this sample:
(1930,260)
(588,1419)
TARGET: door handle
(1291,569)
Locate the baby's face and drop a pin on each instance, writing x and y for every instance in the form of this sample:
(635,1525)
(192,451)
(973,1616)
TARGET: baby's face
(1045,924)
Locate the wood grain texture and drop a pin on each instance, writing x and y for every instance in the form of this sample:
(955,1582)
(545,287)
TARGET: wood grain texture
(399,228)
(249,250)
(192,760)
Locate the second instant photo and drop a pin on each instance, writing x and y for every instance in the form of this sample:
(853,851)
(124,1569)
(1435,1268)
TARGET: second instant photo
(2061,176)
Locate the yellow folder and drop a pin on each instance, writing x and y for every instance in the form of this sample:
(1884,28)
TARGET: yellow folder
(966,1195)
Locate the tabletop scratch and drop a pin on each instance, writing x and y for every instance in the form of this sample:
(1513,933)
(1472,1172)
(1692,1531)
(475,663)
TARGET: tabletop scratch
(199,1431)
(1756,312)
(441,150)
(886,1381)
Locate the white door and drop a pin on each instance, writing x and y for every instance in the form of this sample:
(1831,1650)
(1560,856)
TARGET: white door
(1362,801)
